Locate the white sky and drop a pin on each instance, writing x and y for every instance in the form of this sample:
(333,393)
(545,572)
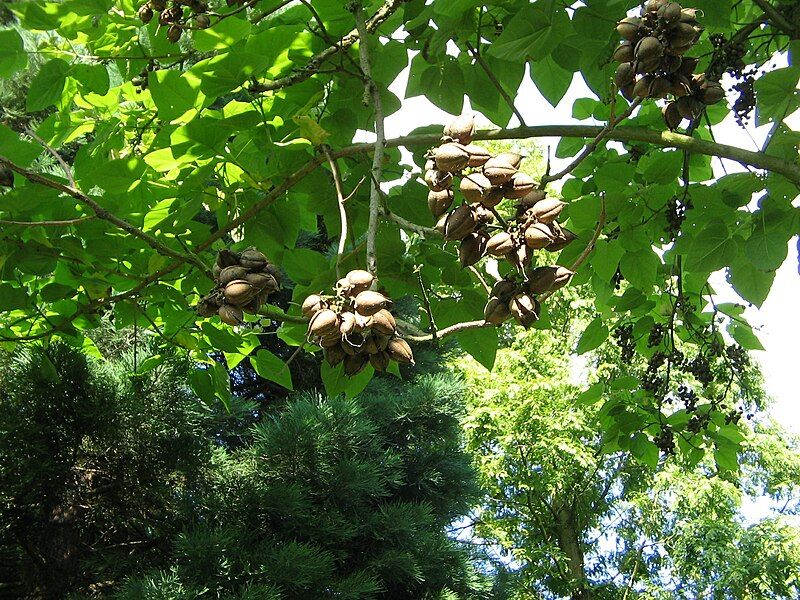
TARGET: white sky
(777,322)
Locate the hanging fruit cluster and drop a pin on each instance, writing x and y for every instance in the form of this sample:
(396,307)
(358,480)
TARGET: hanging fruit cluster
(355,326)
(173,17)
(244,280)
(653,63)
(509,298)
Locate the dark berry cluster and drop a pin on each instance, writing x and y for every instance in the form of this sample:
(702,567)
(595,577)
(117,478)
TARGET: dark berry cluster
(656,335)
(623,335)
(676,215)
(665,440)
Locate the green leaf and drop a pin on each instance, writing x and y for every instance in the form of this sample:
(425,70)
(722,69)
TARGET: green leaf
(442,83)
(592,395)
(531,33)
(222,35)
(269,366)
(640,268)
(94,78)
(550,79)
(744,336)
(593,336)
(711,249)
(777,95)
(750,283)
(173,93)
(12,53)
(47,86)
(644,450)
(481,344)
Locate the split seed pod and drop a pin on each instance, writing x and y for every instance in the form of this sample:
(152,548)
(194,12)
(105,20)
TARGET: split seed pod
(227,258)
(323,322)
(461,129)
(229,274)
(334,355)
(231,315)
(207,307)
(368,303)
(239,292)
(383,322)
(473,248)
(519,186)
(512,158)
(500,244)
(355,364)
(313,304)
(174,33)
(451,157)
(625,74)
(563,238)
(359,281)
(498,171)
(379,360)
(253,259)
(628,28)
(624,53)
(440,202)
(672,116)
(548,210)
(264,282)
(525,309)
(438,180)
(478,155)
(538,236)
(400,351)
(544,279)
(474,187)
(496,311)
(460,223)
(504,289)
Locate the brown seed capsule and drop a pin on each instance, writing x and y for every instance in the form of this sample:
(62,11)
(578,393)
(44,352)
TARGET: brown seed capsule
(498,171)
(504,289)
(368,303)
(669,12)
(145,14)
(525,309)
(689,106)
(625,74)
(400,351)
(478,155)
(239,292)
(348,323)
(518,186)
(263,282)
(359,281)
(672,116)
(660,87)
(334,355)
(473,248)
(207,307)
(451,157)
(329,340)
(355,364)
(688,65)
(323,322)
(627,91)
(642,87)
(202,21)
(531,198)
(500,244)
(459,223)
(174,33)
(512,158)
(227,258)
(438,180)
(624,53)
(649,48)
(671,64)
(461,129)
(652,6)
(496,311)
(231,315)
(544,279)
(682,34)
(229,274)
(548,210)
(712,93)
(313,304)
(383,322)
(440,202)
(253,259)
(689,15)
(475,187)
(353,344)
(628,28)
(379,361)
(563,238)
(538,236)
(253,306)
(441,224)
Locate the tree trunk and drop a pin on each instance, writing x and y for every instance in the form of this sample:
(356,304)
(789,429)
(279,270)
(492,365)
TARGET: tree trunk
(569,540)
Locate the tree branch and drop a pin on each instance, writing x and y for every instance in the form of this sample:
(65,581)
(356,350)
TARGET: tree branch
(47,223)
(371,90)
(776,18)
(337,182)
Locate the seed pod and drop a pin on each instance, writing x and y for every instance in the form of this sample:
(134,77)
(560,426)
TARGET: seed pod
(512,158)
(231,315)
(263,282)
(239,292)
(478,155)
(273,270)
(145,14)
(229,274)
(379,361)
(712,93)
(207,307)
(671,64)
(334,355)
(202,21)
(348,323)
(400,351)
(383,322)
(500,244)
(253,306)
(627,91)
(669,12)
(642,87)
(525,309)
(370,346)
(475,187)
(313,304)
(625,74)
(649,48)
(461,129)
(174,33)
(689,15)
(660,87)
(689,106)
(459,223)
(438,180)
(504,289)
(496,311)
(563,238)
(624,53)
(672,116)
(323,322)
(227,258)
(688,65)
(679,87)
(353,344)
(522,254)
(483,216)
(440,202)
(628,28)
(441,224)
(253,259)
(519,186)
(355,364)
(531,198)
(473,248)
(359,281)
(498,171)
(330,340)
(652,6)
(548,210)
(544,279)
(538,236)
(451,157)
(682,34)
(368,303)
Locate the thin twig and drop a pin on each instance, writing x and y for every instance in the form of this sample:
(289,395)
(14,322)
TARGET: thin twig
(61,162)
(427,232)
(480,60)
(47,223)
(477,274)
(427,302)
(337,182)
(371,90)
(591,147)
(776,18)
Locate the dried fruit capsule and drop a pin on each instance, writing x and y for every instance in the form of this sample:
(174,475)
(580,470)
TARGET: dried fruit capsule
(253,259)
(440,202)
(174,33)
(478,155)
(383,322)
(451,157)
(548,210)
(253,306)
(538,236)
(145,14)
(625,74)
(500,244)
(473,248)
(438,180)
(355,364)
(512,158)
(628,28)
(459,223)
(313,304)
(207,307)
(379,360)
(231,315)
(672,116)
(202,21)
(400,351)
(461,129)
(712,93)
(669,12)
(496,311)
(544,279)
(682,34)
(624,53)
(525,309)
(239,292)
(229,274)
(227,258)
(263,282)
(518,186)
(348,323)
(660,87)
(474,187)
(504,289)
(563,238)
(334,355)
(323,322)
(368,303)
(359,281)
(689,106)
(498,171)
(642,87)
(649,48)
